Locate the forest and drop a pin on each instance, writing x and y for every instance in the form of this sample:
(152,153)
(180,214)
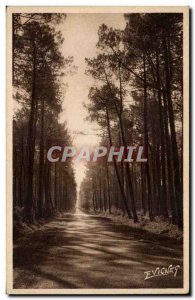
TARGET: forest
(40,188)
(97,151)
(137,100)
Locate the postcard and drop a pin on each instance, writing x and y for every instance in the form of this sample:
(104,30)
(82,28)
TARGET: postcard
(97,150)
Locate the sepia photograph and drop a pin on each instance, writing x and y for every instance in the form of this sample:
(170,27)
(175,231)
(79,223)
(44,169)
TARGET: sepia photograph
(97,150)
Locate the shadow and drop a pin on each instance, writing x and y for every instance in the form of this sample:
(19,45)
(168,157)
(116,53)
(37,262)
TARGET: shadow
(84,251)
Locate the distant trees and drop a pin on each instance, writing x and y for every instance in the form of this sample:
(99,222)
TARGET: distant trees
(37,69)
(138,100)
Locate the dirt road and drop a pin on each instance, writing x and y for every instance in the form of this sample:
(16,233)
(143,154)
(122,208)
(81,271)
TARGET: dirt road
(86,251)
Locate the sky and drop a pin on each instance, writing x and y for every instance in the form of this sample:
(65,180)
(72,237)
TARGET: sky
(80,32)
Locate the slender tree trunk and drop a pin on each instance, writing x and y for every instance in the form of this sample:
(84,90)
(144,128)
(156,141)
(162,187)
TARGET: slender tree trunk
(158,176)
(116,168)
(104,195)
(169,164)
(100,191)
(177,183)
(127,168)
(108,187)
(143,190)
(146,143)
(163,162)
(20,195)
(93,199)
(41,164)
(31,145)
(55,187)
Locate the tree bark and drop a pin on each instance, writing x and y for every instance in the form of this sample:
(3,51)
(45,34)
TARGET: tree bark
(41,164)
(147,167)
(175,157)
(31,145)
(162,140)
(116,168)
(108,188)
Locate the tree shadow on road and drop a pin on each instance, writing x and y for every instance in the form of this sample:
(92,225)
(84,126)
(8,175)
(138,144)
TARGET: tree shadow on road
(92,252)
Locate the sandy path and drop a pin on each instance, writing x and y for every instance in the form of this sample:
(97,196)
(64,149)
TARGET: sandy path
(85,251)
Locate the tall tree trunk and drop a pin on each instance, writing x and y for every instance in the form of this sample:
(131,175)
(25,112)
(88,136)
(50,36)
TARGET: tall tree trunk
(162,140)
(116,168)
(31,145)
(127,168)
(41,164)
(100,191)
(48,199)
(147,167)
(169,164)
(93,200)
(108,187)
(20,195)
(55,187)
(158,175)
(175,157)
(143,189)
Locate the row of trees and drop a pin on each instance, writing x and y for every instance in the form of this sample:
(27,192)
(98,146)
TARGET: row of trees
(137,99)
(39,187)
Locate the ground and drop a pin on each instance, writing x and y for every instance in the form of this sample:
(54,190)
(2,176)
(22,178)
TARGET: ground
(87,251)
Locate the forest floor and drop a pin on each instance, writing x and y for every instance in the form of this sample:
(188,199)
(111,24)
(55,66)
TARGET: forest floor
(88,251)
(158,226)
